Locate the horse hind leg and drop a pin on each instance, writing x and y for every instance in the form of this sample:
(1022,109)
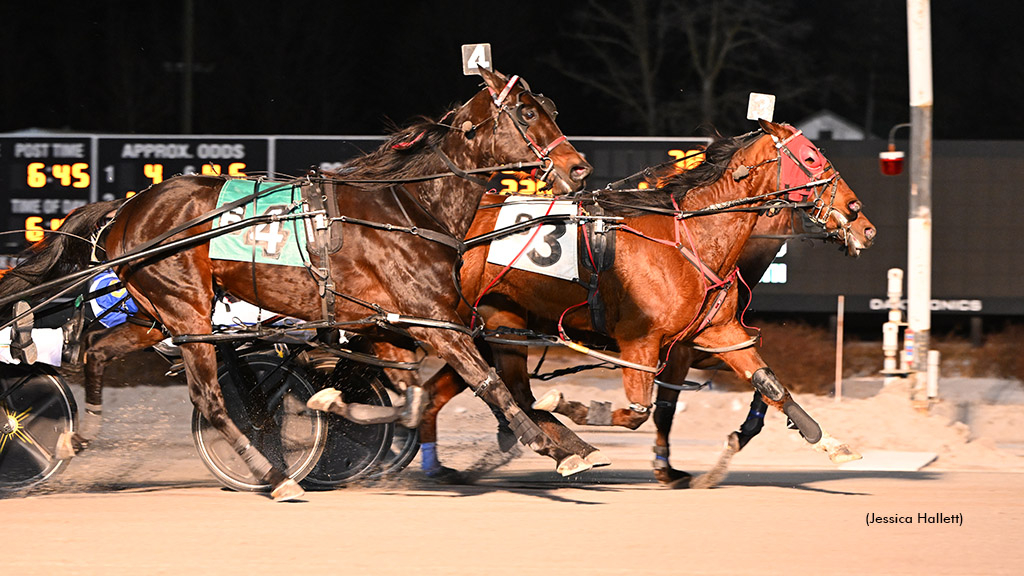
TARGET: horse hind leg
(204,390)
(99,347)
(664,413)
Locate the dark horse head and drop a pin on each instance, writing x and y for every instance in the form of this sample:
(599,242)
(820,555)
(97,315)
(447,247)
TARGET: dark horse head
(504,124)
(518,123)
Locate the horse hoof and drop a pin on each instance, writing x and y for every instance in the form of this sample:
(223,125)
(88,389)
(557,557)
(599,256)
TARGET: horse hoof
(324,399)
(597,458)
(65,446)
(286,490)
(79,442)
(837,451)
(549,401)
(506,439)
(415,405)
(447,476)
(672,478)
(573,465)
(843,454)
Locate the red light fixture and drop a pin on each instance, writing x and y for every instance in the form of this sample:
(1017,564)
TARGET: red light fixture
(891,161)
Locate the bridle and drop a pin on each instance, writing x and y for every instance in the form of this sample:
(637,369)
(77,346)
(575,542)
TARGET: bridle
(800,175)
(515,111)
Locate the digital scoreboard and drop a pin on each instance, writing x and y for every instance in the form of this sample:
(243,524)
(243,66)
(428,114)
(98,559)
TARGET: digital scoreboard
(42,179)
(127,165)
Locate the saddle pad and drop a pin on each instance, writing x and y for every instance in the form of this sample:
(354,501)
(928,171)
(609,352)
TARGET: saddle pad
(553,249)
(282,243)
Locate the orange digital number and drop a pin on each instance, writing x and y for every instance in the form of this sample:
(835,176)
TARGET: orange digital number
(211,169)
(36,177)
(62,173)
(524,187)
(236,169)
(687,159)
(80,172)
(33,231)
(154,172)
(75,175)
(511,186)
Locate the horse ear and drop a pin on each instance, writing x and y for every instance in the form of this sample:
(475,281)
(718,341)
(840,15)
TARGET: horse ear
(494,80)
(774,129)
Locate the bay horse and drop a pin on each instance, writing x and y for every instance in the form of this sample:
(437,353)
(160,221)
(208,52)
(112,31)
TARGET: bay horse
(405,209)
(656,298)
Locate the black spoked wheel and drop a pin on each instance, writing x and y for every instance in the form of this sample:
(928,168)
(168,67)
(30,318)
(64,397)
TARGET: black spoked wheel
(266,399)
(38,415)
(353,451)
(405,444)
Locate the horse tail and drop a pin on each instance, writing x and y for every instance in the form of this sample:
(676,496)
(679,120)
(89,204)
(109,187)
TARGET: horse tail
(68,250)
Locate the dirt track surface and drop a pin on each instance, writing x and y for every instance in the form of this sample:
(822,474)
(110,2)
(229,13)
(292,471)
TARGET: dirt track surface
(140,502)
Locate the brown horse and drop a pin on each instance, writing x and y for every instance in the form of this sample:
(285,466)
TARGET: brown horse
(404,214)
(655,298)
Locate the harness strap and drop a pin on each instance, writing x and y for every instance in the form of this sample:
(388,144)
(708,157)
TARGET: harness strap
(500,97)
(455,169)
(425,233)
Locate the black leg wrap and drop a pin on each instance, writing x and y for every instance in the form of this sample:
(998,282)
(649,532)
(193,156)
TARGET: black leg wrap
(755,420)
(599,414)
(809,429)
(767,383)
(663,417)
(524,428)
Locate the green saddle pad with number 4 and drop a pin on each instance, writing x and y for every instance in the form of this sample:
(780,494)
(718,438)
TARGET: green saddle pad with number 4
(281,242)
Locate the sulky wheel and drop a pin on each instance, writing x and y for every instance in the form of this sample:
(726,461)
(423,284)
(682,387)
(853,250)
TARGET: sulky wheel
(37,418)
(353,451)
(266,398)
(405,444)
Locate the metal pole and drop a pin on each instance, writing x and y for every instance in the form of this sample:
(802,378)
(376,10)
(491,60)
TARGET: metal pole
(840,313)
(919,239)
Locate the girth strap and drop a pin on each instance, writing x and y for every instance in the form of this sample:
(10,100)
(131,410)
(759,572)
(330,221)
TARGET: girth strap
(597,252)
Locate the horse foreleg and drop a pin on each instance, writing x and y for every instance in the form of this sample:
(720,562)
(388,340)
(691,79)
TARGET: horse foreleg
(511,364)
(444,385)
(749,365)
(458,351)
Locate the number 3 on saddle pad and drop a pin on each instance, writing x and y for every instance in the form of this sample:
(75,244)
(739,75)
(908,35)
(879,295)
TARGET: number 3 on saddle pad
(282,242)
(553,249)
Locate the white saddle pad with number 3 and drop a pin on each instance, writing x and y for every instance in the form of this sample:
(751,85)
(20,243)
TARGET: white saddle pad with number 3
(552,250)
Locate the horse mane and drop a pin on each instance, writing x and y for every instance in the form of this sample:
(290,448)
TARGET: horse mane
(57,254)
(402,156)
(717,156)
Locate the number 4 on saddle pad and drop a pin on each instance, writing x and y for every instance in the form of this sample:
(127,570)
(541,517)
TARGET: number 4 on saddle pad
(282,242)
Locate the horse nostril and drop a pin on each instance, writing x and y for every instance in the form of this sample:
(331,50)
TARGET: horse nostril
(869,233)
(854,206)
(580,172)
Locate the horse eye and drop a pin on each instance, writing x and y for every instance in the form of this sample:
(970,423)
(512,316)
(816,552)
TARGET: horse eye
(529,114)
